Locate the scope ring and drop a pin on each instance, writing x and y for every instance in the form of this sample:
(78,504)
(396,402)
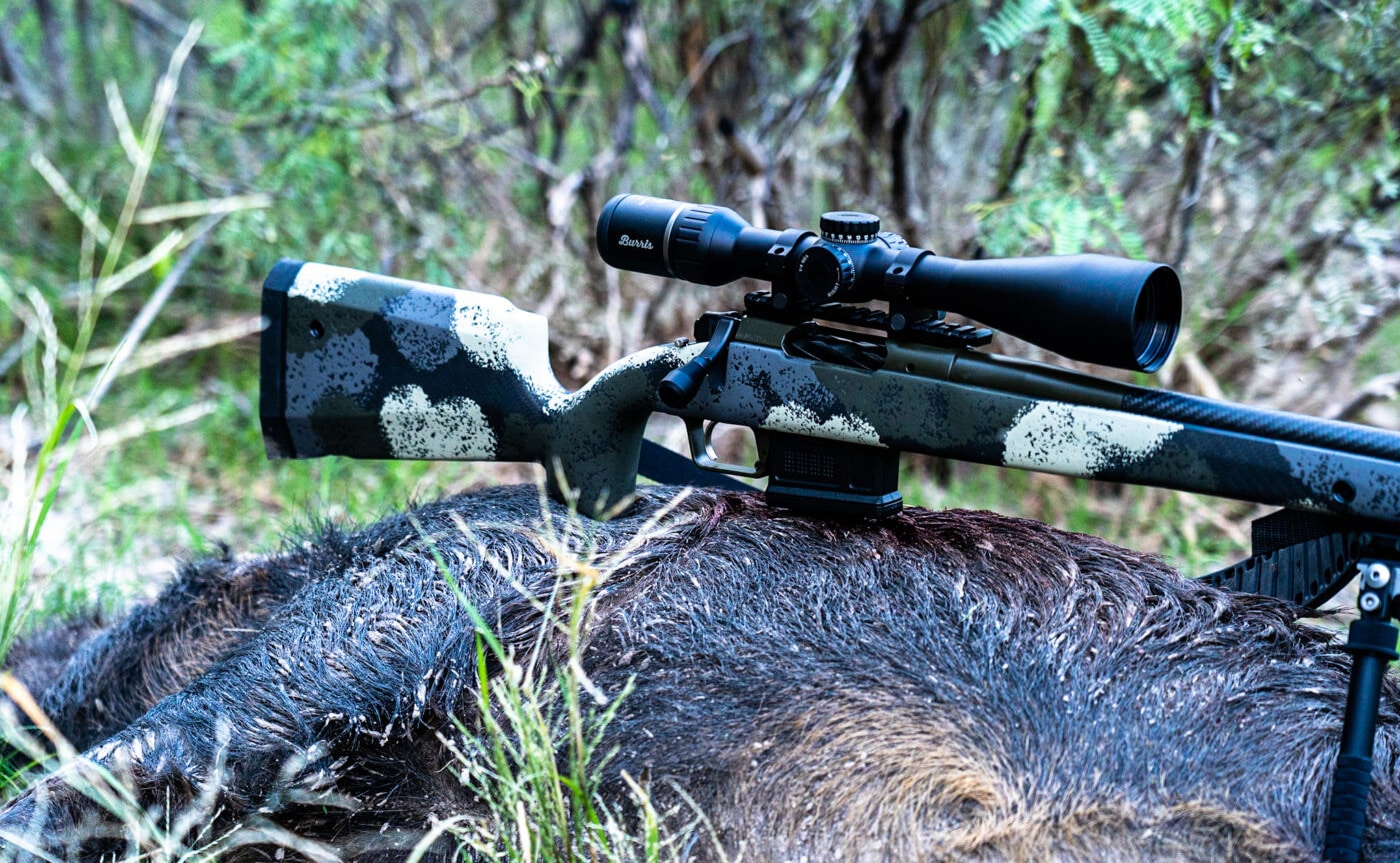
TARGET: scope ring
(897,274)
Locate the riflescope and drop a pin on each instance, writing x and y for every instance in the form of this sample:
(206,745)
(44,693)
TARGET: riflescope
(1095,308)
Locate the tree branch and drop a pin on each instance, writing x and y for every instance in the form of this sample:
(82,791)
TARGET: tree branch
(153,15)
(1378,389)
(325,115)
(12,69)
(1011,164)
(56,65)
(1201,150)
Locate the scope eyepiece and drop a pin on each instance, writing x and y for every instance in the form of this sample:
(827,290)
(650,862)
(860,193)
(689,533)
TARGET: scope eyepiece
(1094,308)
(695,242)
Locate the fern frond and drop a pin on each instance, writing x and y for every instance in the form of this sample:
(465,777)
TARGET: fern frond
(1105,57)
(1069,226)
(1015,21)
(1145,12)
(1199,15)
(1152,49)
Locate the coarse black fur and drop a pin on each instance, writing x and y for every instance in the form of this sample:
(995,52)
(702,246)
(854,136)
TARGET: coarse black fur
(938,686)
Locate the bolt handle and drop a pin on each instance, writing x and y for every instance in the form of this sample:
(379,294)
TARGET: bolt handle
(679,387)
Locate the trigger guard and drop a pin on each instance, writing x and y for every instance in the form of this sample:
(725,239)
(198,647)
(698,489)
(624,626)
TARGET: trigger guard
(698,432)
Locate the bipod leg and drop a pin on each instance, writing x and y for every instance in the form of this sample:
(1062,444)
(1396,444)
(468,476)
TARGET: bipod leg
(1371,642)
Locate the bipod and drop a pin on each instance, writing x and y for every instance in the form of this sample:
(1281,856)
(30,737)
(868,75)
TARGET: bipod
(1371,642)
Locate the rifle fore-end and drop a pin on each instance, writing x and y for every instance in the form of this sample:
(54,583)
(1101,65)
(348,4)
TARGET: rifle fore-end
(372,367)
(1004,412)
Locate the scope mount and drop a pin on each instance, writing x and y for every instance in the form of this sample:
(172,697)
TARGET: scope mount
(903,323)
(804,286)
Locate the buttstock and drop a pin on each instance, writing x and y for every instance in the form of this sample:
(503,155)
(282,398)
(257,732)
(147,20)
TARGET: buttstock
(369,366)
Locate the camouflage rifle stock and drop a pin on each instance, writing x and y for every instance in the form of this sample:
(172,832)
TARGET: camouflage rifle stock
(367,366)
(374,367)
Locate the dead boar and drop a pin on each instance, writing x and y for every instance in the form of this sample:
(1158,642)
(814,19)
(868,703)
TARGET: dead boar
(934,686)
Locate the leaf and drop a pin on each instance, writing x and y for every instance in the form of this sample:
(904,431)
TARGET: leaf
(1105,57)
(196,209)
(1016,20)
(92,222)
(1070,227)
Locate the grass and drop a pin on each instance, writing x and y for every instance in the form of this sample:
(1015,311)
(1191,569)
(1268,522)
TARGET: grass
(182,836)
(60,398)
(190,490)
(538,761)
(189,474)
(534,759)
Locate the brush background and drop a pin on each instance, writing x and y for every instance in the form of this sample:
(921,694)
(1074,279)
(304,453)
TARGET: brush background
(1251,145)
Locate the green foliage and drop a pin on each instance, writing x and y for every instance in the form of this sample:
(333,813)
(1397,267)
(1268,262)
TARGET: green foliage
(472,144)
(1017,20)
(1062,221)
(1154,36)
(57,403)
(532,751)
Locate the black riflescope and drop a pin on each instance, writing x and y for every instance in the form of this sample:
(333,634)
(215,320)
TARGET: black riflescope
(1095,308)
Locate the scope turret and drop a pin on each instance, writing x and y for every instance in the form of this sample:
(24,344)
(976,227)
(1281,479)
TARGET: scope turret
(1094,308)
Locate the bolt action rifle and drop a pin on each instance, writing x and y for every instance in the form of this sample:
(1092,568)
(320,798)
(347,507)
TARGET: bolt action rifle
(834,390)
